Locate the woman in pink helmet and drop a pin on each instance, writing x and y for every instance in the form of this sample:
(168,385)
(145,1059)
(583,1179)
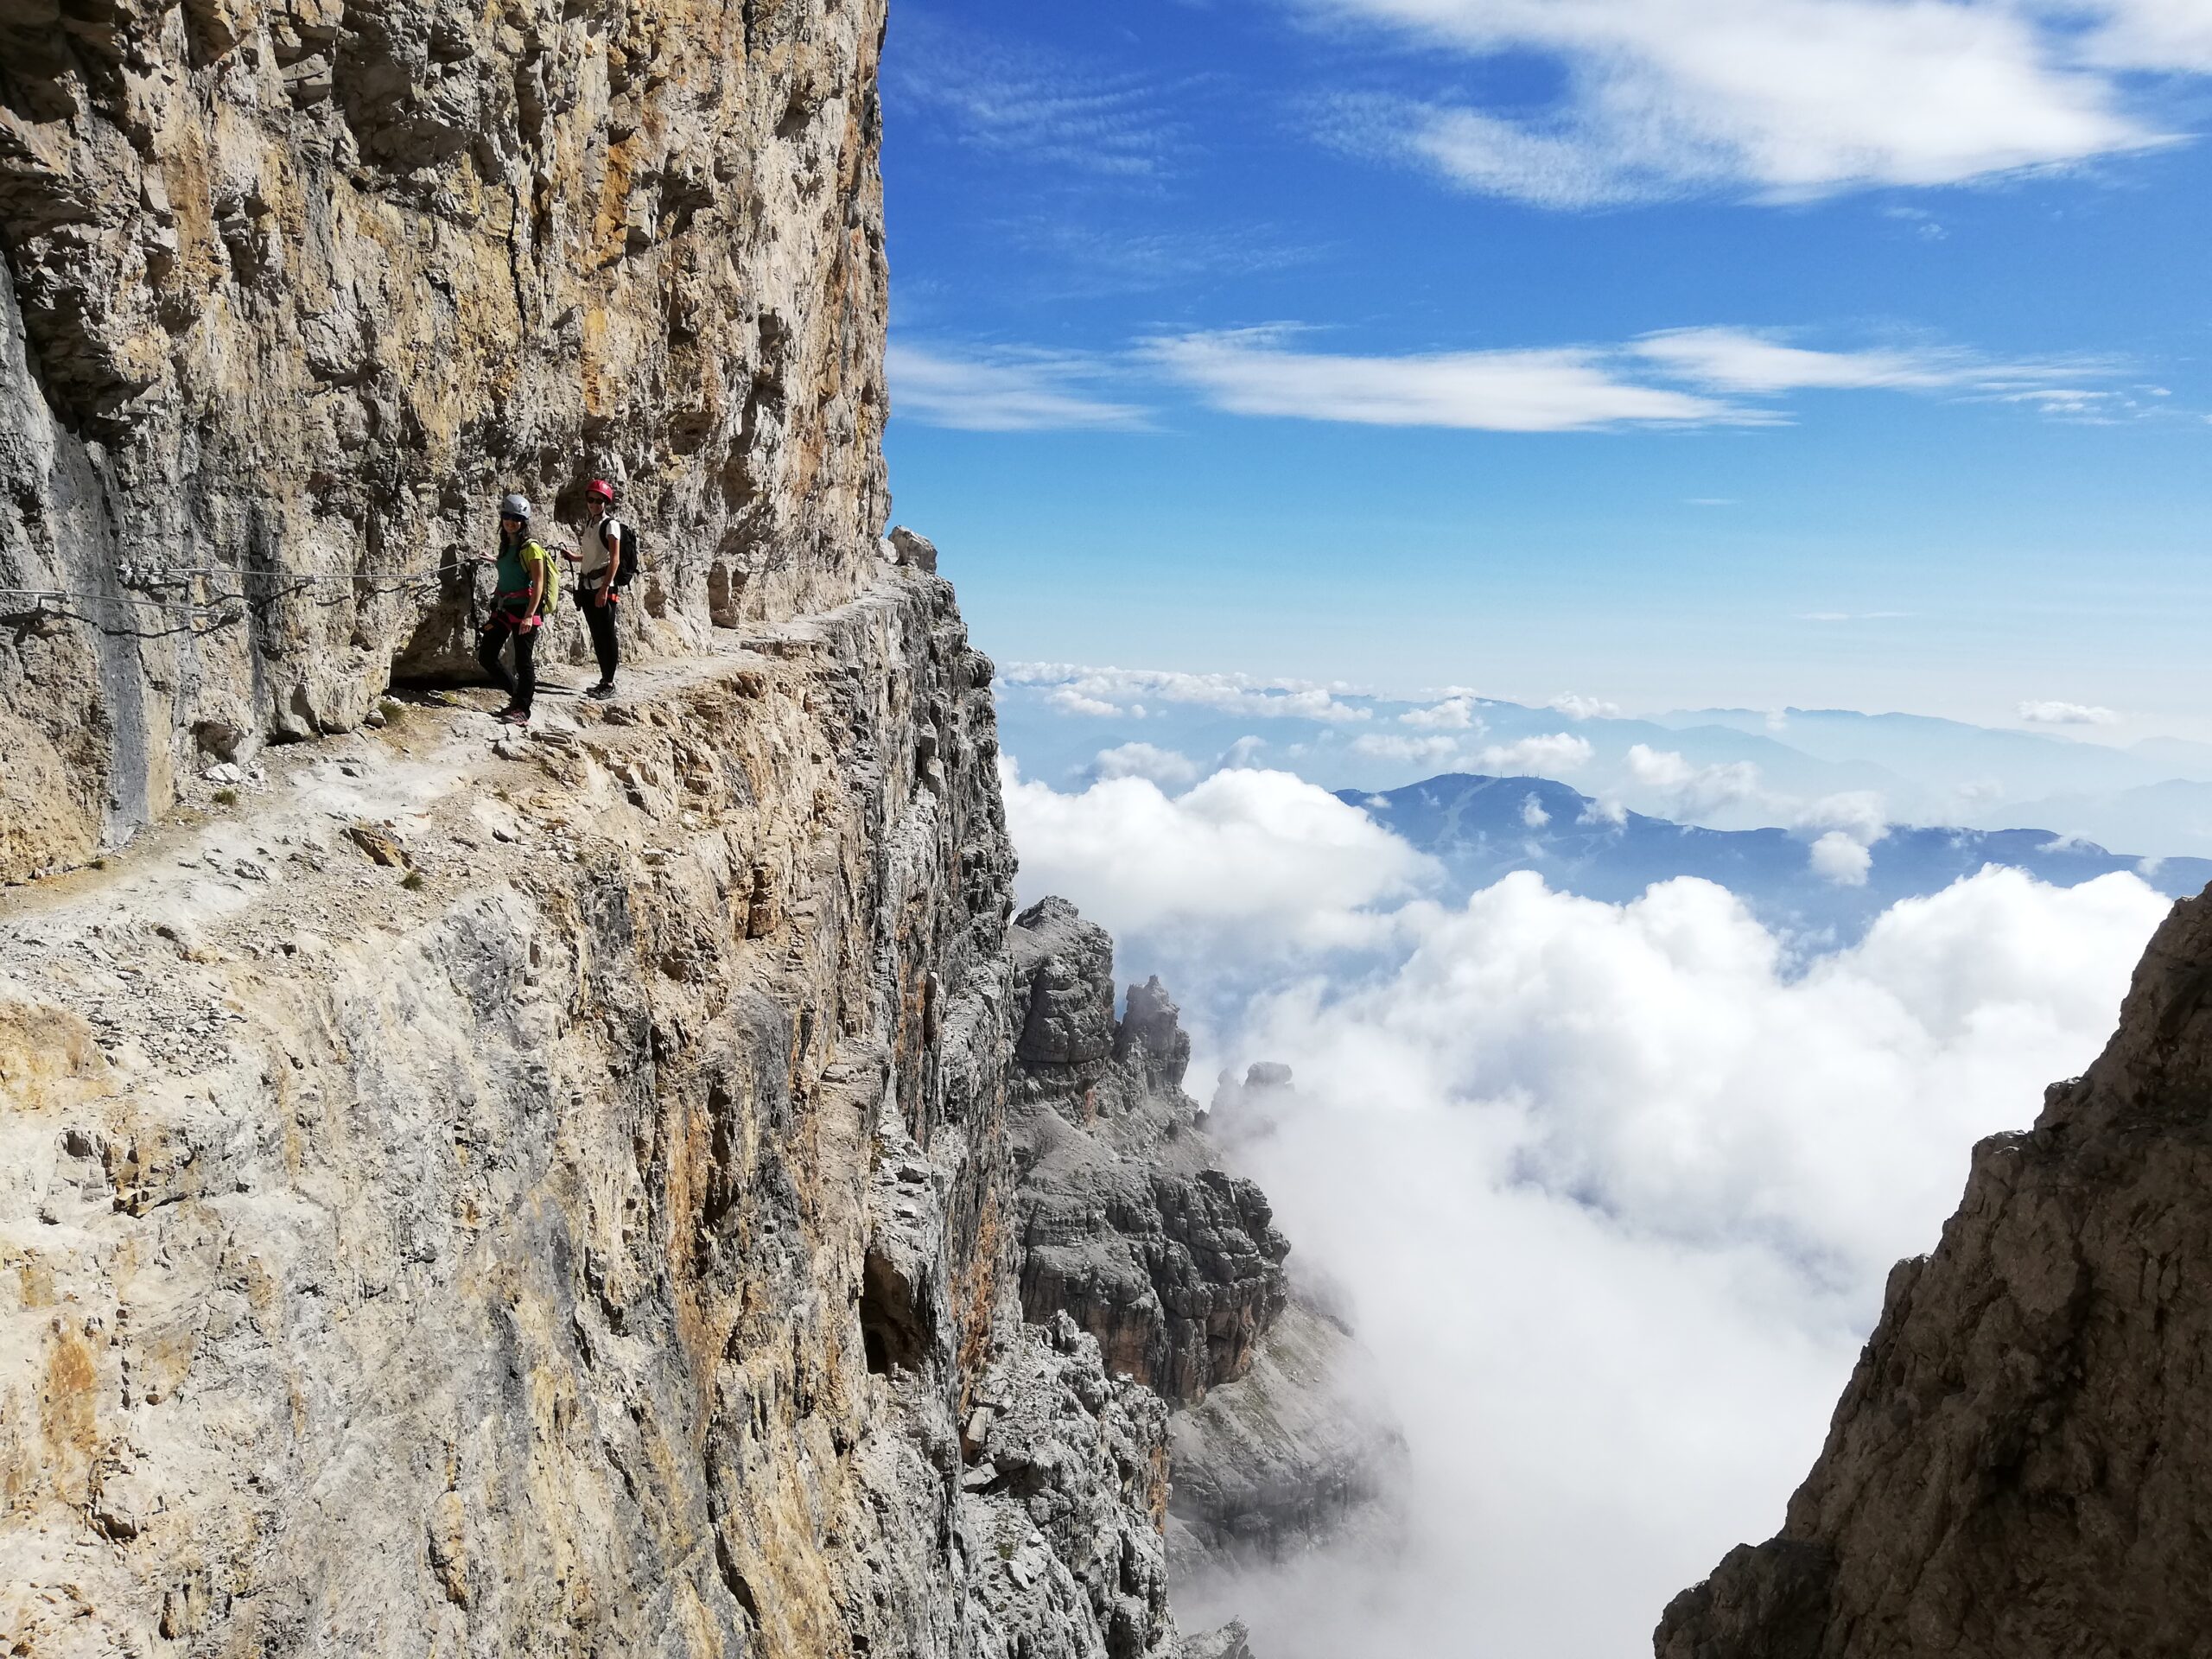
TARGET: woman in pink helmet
(599,563)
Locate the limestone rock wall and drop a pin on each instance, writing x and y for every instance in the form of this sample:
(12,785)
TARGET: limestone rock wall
(558,1200)
(297,287)
(2021,1465)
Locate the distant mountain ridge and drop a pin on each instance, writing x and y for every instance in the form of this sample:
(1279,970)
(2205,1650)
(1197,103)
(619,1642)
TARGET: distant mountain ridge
(1482,829)
(1729,768)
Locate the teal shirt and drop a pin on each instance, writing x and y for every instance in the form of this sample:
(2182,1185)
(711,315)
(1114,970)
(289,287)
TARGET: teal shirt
(518,566)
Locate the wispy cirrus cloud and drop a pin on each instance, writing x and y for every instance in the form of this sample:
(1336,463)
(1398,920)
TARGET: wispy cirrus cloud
(1750,361)
(1689,377)
(1258,371)
(1088,258)
(1715,375)
(1031,105)
(976,390)
(1779,99)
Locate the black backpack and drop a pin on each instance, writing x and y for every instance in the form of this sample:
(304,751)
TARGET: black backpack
(628,568)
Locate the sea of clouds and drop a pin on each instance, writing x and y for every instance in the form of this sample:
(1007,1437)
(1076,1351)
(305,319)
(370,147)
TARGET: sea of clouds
(1611,1191)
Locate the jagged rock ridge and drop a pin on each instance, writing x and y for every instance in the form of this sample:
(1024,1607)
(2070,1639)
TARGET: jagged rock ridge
(2021,1464)
(1175,1267)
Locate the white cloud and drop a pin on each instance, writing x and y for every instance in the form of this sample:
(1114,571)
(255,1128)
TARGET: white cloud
(2068,713)
(1002,392)
(1069,701)
(1685,377)
(1533,813)
(1163,766)
(1452,715)
(1645,1042)
(1783,99)
(1540,757)
(2069,844)
(1252,371)
(1612,1191)
(1842,858)
(1240,694)
(1860,814)
(1691,791)
(1257,859)
(1751,361)
(1576,707)
(2144,34)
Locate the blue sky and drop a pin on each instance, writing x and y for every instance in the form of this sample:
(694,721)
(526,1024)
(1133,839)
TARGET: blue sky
(1675,352)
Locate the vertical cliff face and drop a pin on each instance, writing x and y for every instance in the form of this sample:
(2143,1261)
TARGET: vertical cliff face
(297,287)
(2022,1464)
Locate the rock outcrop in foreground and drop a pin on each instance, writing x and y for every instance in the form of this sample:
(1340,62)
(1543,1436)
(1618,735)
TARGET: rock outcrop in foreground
(299,287)
(2021,1467)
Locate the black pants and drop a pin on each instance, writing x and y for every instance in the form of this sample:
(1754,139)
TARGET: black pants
(599,619)
(522,686)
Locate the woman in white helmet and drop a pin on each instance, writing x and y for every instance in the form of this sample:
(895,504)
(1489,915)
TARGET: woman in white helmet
(525,592)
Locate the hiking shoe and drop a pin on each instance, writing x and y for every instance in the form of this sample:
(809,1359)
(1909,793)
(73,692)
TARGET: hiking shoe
(513,716)
(603,691)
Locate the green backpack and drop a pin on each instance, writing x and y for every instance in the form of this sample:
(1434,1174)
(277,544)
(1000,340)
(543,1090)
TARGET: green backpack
(552,566)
